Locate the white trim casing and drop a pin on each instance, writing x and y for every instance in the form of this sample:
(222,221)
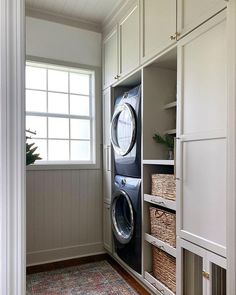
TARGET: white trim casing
(12,147)
(231,160)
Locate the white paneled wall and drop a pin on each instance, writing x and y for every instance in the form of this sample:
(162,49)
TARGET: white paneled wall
(64,214)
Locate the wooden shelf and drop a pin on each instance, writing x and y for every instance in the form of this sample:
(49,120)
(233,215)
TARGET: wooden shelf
(159,162)
(171,132)
(161,245)
(157,285)
(170,105)
(160,201)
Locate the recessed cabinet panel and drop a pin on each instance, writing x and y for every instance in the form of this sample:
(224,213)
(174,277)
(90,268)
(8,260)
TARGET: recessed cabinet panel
(192,273)
(129,42)
(107,233)
(204,89)
(218,280)
(110,58)
(158,25)
(204,192)
(192,13)
(106,146)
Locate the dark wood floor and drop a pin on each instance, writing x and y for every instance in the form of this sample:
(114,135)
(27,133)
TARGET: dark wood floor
(78,261)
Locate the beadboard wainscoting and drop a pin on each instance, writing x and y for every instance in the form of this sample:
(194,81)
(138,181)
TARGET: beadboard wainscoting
(64,214)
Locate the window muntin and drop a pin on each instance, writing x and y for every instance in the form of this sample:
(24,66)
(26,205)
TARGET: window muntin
(60,108)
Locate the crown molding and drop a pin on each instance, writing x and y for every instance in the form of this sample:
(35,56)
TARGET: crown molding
(116,14)
(65,20)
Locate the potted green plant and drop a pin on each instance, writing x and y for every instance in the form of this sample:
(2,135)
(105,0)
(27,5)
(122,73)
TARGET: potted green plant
(166,140)
(31,156)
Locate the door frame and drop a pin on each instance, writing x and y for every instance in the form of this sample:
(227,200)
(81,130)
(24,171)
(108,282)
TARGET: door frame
(231,173)
(12,148)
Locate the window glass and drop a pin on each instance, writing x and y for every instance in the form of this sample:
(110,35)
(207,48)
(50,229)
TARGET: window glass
(79,105)
(57,81)
(57,103)
(79,83)
(59,109)
(36,78)
(36,101)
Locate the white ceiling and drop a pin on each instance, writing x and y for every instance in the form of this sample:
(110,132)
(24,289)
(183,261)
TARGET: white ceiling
(95,11)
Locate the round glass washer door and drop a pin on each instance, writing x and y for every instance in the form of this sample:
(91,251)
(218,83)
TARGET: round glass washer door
(123,129)
(122,217)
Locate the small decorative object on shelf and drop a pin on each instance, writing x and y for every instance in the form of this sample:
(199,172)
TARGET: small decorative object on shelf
(163,225)
(31,157)
(166,140)
(164,268)
(164,185)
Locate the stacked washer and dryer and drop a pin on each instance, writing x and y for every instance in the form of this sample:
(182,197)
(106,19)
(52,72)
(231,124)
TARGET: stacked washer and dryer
(126,199)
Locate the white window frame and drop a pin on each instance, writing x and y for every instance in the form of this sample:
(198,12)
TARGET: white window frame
(94,137)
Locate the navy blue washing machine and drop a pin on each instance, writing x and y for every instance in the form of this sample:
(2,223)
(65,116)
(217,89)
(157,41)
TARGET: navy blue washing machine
(126,220)
(126,133)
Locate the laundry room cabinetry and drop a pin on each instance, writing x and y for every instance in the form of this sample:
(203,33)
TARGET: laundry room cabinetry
(203,272)
(159,116)
(107,168)
(107,231)
(107,161)
(121,49)
(158,26)
(129,42)
(202,138)
(110,58)
(192,13)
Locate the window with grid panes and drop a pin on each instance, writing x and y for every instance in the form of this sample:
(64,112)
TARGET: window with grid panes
(60,109)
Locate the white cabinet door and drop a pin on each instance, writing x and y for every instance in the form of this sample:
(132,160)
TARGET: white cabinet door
(106,146)
(158,26)
(202,272)
(202,145)
(107,231)
(129,42)
(110,58)
(192,13)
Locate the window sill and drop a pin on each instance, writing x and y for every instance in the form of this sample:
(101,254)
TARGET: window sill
(63,166)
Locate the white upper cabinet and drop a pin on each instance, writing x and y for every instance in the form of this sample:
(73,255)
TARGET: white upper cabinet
(129,42)
(202,132)
(110,58)
(192,13)
(158,26)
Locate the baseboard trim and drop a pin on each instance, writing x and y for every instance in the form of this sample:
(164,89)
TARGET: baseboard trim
(65,263)
(62,254)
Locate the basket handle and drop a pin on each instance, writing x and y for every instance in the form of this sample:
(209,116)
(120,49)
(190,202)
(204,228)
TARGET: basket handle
(159,215)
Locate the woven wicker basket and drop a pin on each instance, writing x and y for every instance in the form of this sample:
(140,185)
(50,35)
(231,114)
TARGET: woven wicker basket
(163,185)
(163,225)
(164,268)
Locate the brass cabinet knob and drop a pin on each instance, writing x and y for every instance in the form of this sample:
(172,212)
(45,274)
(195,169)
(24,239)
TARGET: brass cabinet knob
(174,37)
(206,275)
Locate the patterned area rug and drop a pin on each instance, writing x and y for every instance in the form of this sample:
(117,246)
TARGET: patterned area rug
(87,279)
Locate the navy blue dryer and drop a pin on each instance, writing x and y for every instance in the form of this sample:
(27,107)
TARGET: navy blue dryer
(126,220)
(126,133)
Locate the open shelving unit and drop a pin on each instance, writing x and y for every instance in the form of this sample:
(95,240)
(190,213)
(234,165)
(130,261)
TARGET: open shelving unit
(159,115)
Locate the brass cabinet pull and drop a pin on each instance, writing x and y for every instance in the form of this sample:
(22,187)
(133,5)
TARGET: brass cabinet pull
(174,37)
(206,275)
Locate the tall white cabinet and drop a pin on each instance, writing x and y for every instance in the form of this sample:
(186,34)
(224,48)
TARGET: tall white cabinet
(107,167)
(179,47)
(202,145)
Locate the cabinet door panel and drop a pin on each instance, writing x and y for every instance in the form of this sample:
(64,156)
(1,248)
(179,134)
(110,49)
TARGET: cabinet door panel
(158,24)
(204,81)
(106,146)
(107,232)
(129,41)
(192,13)
(110,58)
(204,190)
